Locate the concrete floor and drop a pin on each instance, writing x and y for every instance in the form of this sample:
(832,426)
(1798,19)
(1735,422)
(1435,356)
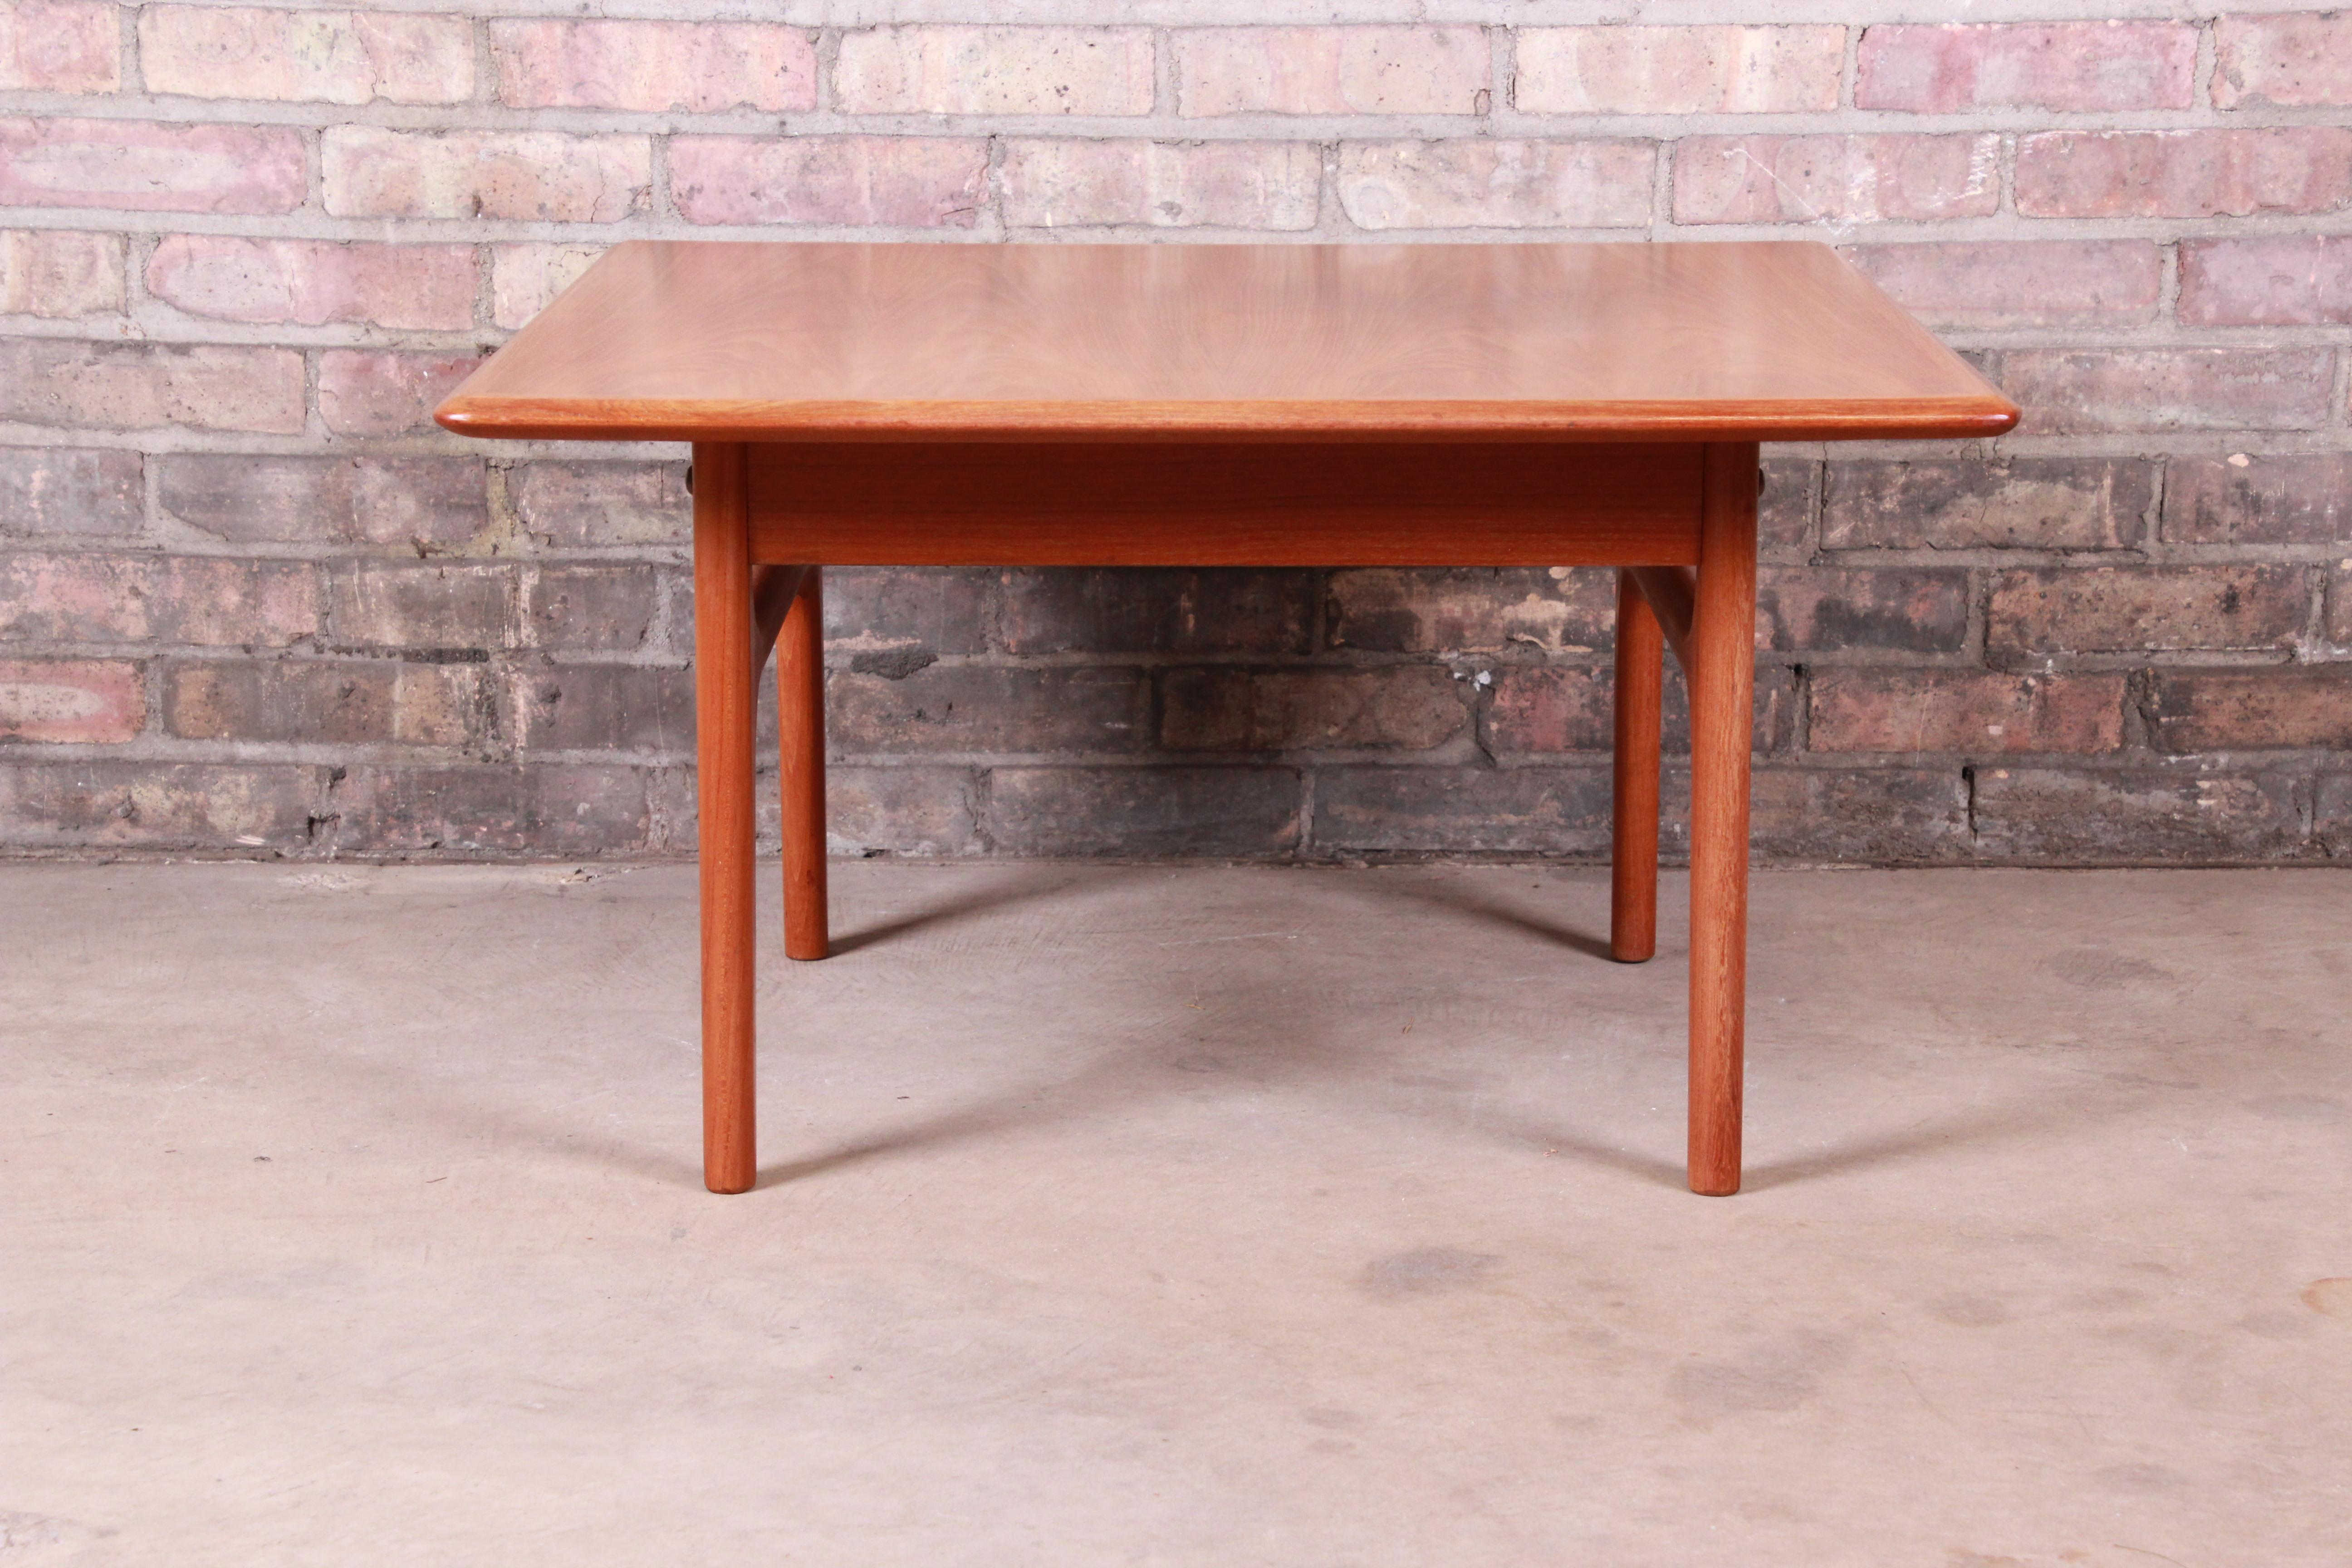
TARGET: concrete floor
(350,1216)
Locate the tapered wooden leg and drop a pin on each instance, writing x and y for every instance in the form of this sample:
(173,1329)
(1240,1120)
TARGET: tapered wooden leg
(725,692)
(800,728)
(1633,823)
(1722,686)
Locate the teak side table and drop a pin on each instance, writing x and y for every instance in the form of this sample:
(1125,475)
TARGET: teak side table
(1226,405)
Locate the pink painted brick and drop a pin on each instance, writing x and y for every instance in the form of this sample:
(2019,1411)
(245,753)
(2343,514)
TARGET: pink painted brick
(2184,174)
(697,67)
(59,46)
(894,182)
(1159,184)
(57,272)
(526,279)
(2066,391)
(306,56)
(2074,66)
(1865,179)
(150,168)
(310,281)
(369,172)
(1678,70)
(2295,61)
(145,387)
(2266,280)
(83,702)
(994,71)
(1331,70)
(1493,183)
(92,597)
(368,392)
(2018,283)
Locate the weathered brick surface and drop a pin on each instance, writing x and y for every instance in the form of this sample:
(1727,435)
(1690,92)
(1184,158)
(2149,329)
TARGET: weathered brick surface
(327,56)
(2072,65)
(1950,503)
(1332,71)
(1679,71)
(58,273)
(83,702)
(59,46)
(700,66)
(2293,498)
(250,245)
(2137,609)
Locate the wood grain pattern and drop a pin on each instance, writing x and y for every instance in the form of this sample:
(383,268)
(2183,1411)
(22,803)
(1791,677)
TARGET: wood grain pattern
(1722,675)
(744,341)
(800,733)
(1634,801)
(1671,592)
(725,687)
(1224,504)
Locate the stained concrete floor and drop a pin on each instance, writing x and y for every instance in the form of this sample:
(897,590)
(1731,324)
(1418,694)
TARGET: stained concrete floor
(1171,1216)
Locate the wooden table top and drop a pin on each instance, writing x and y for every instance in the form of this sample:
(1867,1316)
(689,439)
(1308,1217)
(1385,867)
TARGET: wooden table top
(768,342)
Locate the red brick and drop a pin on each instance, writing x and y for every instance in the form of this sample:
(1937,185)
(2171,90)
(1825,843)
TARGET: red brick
(1488,183)
(2014,283)
(59,46)
(1331,70)
(1965,503)
(80,701)
(2332,815)
(2066,391)
(1471,610)
(1226,708)
(1861,179)
(1461,811)
(2297,498)
(1785,512)
(605,707)
(144,386)
(2184,174)
(572,504)
(367,171)
(1873,816)
(1808,608)
(1964,710)
(89,597)
(1170,610)
(701,67)
(885,618)
(2252,710)
(526,279)
(1162,184)
(931,69)
(373,391)
(2142,609)
(440,608)
(1235,813)
(1548,709)
(898,811)
(144,167)
(2266,281)
(159,806)
(2071,65)
(313,57)
(1678,70)
(57,273)
(545,809)
(328,701)
(70,491)
(597,609)
(2139,817)
(974,708)
(310,283)
(2293,61)
(892,182)
(253,498)
(2339,603)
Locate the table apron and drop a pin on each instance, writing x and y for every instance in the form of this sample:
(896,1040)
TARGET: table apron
(1240,504)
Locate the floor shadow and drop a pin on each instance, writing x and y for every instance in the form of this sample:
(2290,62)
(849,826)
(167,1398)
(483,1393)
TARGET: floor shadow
(949,910)
(1494,912)
(1989,1125)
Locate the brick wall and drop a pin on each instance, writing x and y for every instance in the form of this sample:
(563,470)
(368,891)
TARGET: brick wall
(251,602)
